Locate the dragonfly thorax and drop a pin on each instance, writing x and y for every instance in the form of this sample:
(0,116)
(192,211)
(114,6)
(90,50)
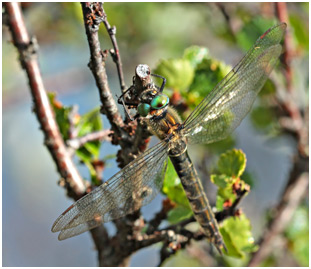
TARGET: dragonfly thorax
(164,123)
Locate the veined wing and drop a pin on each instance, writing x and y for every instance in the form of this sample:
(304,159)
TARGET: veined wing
(128,190)
(229,102)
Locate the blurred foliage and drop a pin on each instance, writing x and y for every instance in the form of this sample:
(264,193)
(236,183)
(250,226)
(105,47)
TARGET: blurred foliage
(83,124)
(178,72)
(296,239)
(251,31)
(297,234)
(61,114)
(182,259)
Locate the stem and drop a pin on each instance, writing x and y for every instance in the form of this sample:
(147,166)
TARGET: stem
(27,49)
(115,53)
(230,211)
(78,142)
(290,105)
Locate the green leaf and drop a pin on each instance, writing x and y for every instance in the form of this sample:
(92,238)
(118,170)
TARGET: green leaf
(219,202)
(237,236)
(298,235)
(250,32)
(224,195)
(173,188)
(221,146)
(299,31)
(179,73)
(232,163)
(262,117)
(195,55)
(178,214)
(84,155)
(207,75)
(88,123)
(181,259)
(93,148)
(268,89)
(61,114)
(222,181)
(92,172)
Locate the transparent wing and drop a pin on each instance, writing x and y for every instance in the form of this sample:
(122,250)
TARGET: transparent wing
(229,102)
(128,190)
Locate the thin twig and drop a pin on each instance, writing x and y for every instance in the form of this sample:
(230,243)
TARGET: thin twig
(178,240)
(290,105)
(281,10)
(27,49)
(287,207)
(78,142)
(154,223)
(73,132)
(115,53)
(232,210)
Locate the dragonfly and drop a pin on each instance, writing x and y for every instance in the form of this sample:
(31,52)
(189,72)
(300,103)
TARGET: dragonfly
(218,114)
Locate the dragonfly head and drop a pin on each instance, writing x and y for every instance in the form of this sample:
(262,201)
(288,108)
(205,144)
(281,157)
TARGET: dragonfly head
(152,105)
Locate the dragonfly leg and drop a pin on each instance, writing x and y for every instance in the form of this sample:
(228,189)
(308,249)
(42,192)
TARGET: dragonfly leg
(127,103)
(163,82)
(122,95)
(125,108)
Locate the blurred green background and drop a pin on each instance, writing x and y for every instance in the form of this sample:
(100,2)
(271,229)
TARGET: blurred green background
(149,33)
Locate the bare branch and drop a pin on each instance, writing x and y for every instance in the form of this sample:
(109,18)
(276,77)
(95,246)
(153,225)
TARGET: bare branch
(281,10)
(115,53)
(73,132)
(93,14)
(289,105)
(78,142)
(27,49)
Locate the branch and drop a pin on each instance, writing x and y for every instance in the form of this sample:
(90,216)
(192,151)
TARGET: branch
(178,241)
(78,142)
(72,132)
(281,10)
(27,49)
(115,53)
(93,14)
(290,105)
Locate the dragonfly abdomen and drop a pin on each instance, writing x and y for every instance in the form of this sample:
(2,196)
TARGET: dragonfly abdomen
(195,194)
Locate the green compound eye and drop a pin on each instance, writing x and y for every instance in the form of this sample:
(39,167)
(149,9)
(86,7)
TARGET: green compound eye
(159,101)
(143,109)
